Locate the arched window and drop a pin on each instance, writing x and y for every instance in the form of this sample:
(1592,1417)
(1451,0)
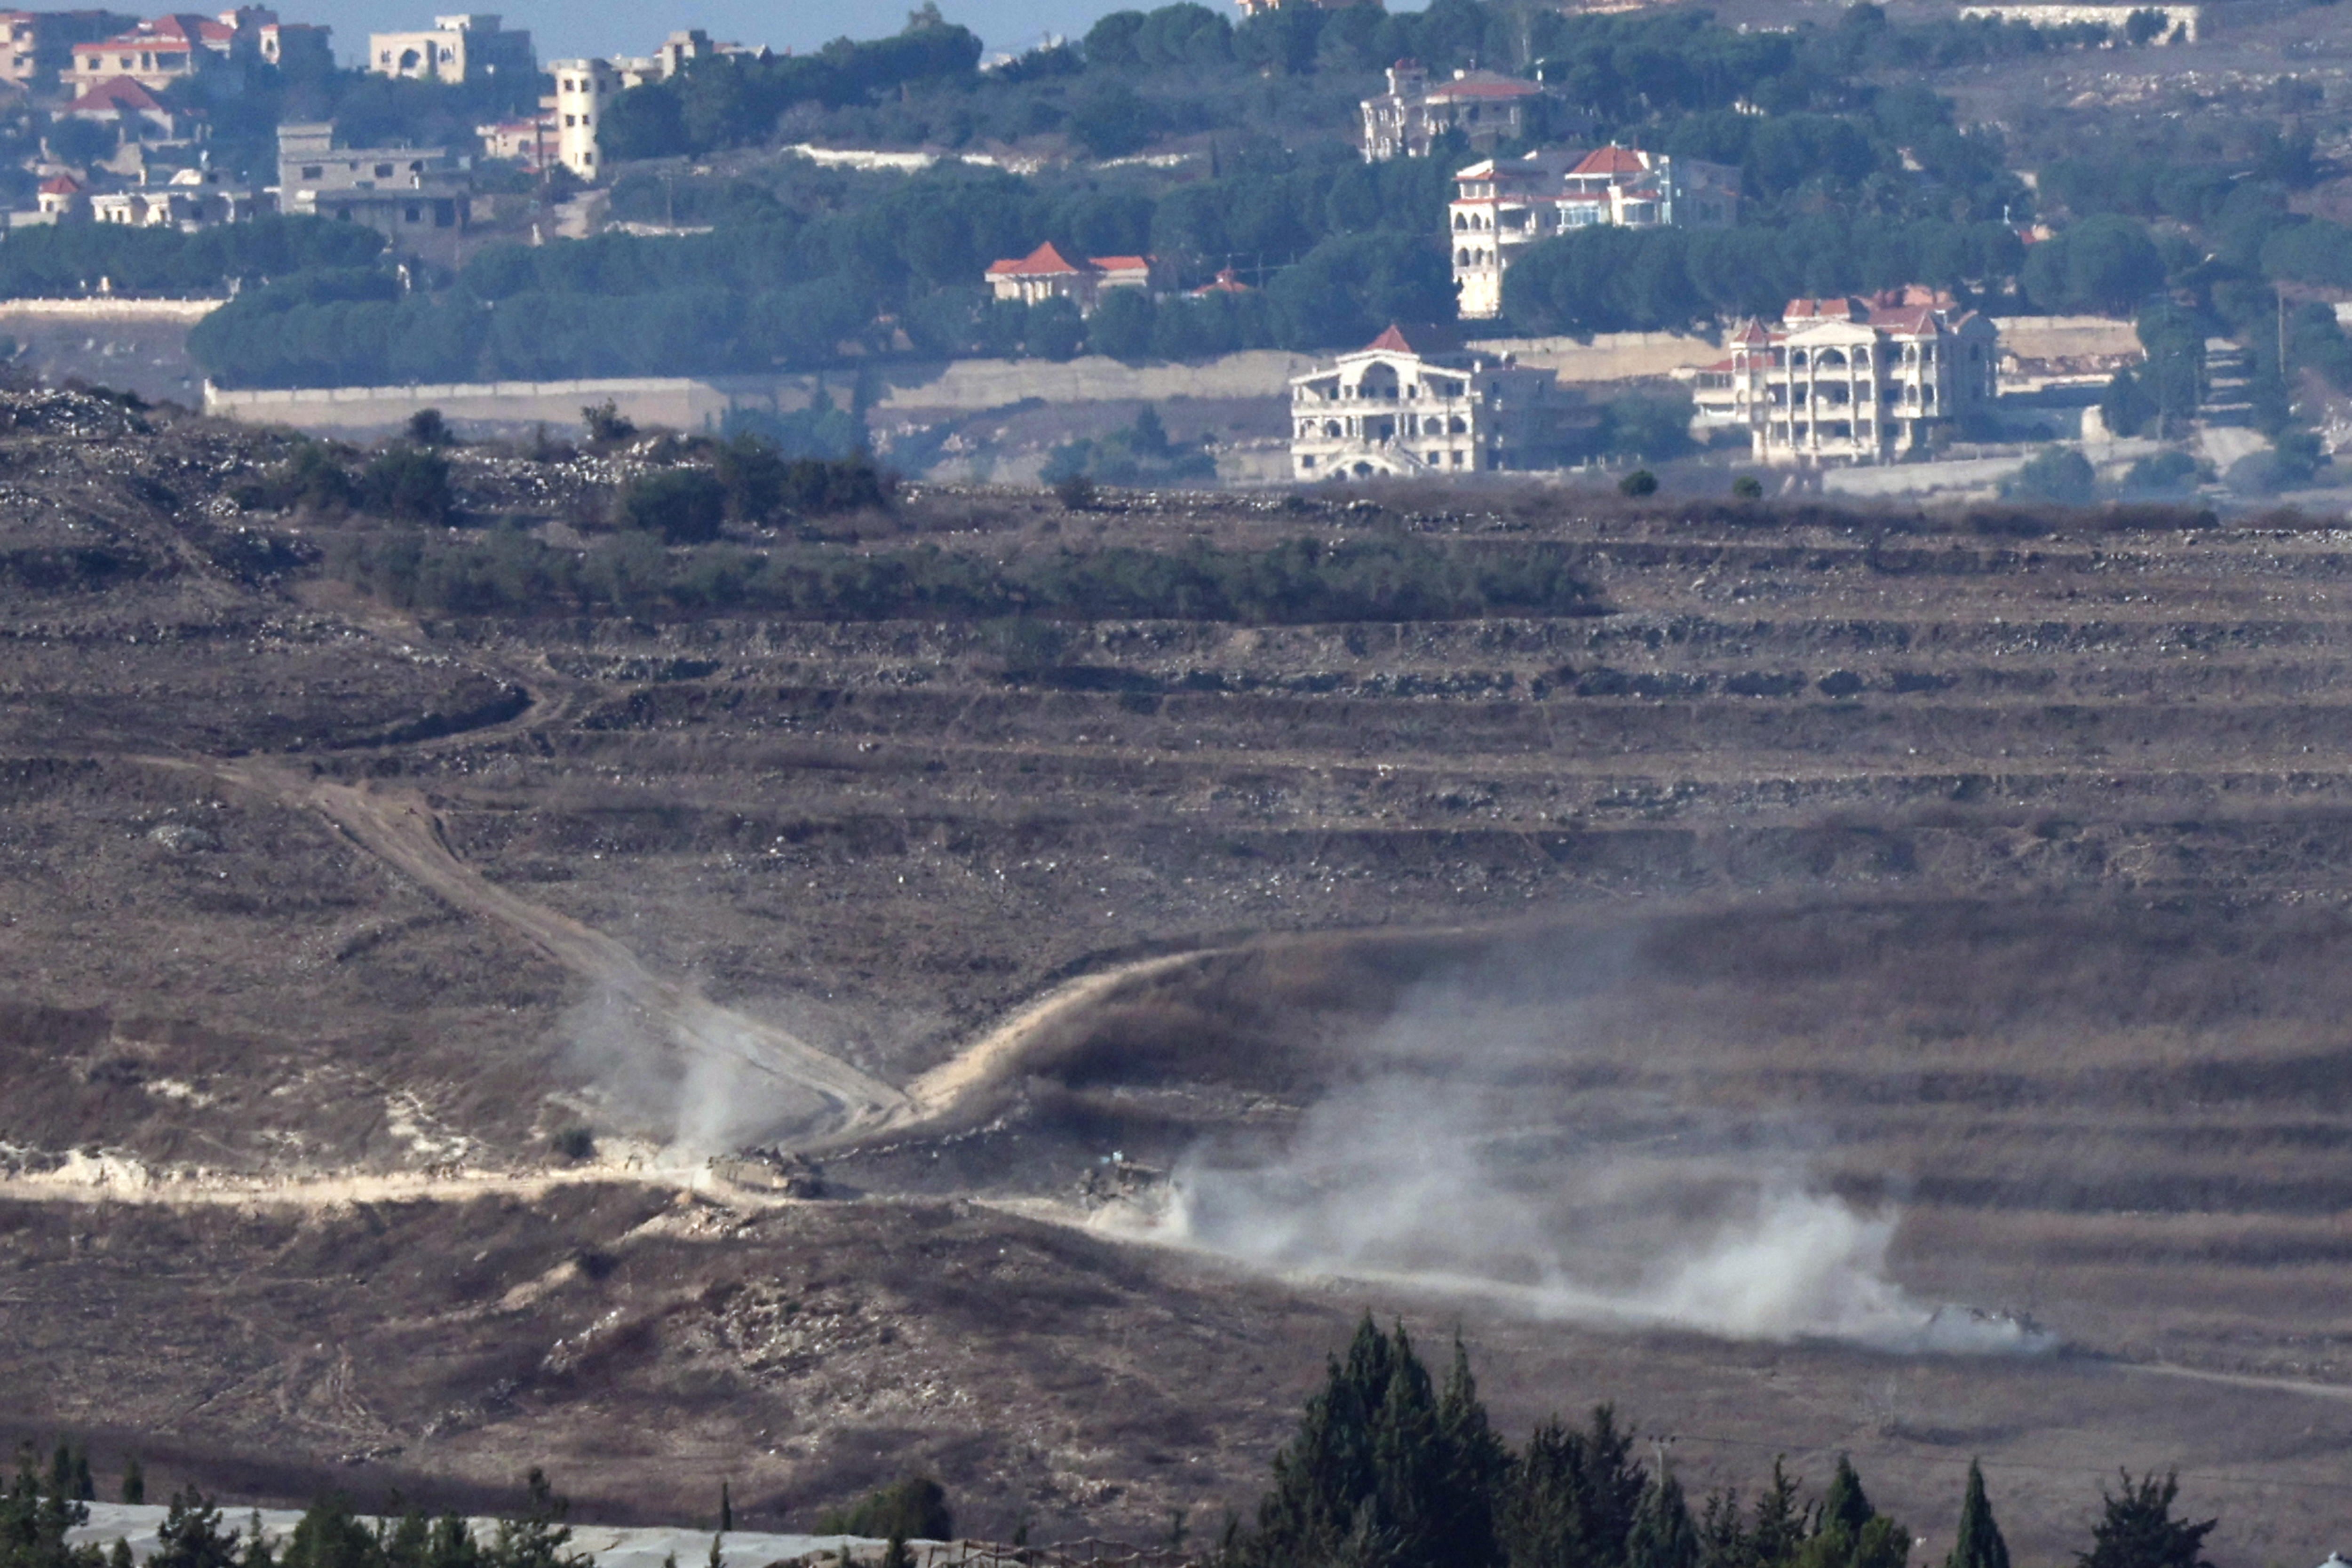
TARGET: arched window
(1460,222)
(1862,358)
(1462,257)
(1827,358)
(1330,427)
(1458,426)
(1796,357)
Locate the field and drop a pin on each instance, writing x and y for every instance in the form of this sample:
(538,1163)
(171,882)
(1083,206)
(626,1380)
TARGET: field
(1957,900)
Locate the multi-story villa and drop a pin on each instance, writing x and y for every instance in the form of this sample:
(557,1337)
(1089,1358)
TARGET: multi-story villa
(157,53)
(1503,203)
(1415,404)
(1046,274)
(1842,382)
(39,44)
(585,88)
(472,48)
(1487,108)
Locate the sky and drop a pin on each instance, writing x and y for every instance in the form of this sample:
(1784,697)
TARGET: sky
(567,28)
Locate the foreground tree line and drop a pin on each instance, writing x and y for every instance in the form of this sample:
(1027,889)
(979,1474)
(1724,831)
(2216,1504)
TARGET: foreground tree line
(1390,1470)
(1387,1469)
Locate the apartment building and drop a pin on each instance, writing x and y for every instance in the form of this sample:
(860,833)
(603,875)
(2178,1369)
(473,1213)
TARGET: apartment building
(1503,205)
(39,44)
(157,53)
(1843,381)
(472,48)
(418,197)
(1414,403)
(1487,108)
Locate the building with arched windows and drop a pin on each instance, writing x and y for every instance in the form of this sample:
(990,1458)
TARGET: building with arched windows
(1410,403)
(1842,382)
(1501,205)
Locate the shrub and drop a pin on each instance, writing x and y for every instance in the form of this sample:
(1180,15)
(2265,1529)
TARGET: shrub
(684,506)
(1074,490)
(816,487)
(1748,487)
(2056,474)
(573,1144)
(1640,482)
(427,429)
(311,479)
(406,482)
(606,425)
(2164,473)
(913,1510)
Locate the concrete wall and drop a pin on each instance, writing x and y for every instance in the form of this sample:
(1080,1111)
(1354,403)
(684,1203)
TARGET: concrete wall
(676,402)
(107,309)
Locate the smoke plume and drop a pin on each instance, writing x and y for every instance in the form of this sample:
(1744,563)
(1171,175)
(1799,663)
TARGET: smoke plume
(1473,1157)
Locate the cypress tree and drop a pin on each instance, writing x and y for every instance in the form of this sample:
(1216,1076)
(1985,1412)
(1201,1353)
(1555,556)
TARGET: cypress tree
(1978,1543)
(1846,1507)
(134,1480)
(1723,1539)
(726,1510)
(1663,1535)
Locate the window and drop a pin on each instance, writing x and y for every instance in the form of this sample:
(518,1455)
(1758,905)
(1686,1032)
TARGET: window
(312,171)
(412,212)
(384,170)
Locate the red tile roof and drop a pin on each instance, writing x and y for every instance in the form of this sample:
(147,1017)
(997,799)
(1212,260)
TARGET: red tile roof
(1042,262)
(1119,263)
(1226,283)
(118,93)
(61,185)
(1611,160)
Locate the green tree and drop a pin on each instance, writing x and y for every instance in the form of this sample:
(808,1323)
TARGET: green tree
(1978,1543)
(2126,406)
(134,1480)
(1663,1535)
(684,506)
(191,1535)
(2136,1529)
(2058,474)
(914,1509)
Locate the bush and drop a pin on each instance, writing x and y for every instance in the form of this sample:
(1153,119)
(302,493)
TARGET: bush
(914,1509)
(1748,487)
(684,506)
(2164,473)
(2057,474)
(1074,490)
(606,425)
(311,479)
(573,1144)
(427,429)
(814,487)
(406,482)
(1640,482)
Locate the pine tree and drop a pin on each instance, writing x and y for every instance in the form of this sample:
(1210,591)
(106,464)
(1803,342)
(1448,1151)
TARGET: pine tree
(896,1555)
(191,1535)
(1978,1543)
(134,1480)
(1723,1539)
(1782,1522)
(726,1510)
(1663,1535)
(1846,1507)
(717,1559)
(2137,1530)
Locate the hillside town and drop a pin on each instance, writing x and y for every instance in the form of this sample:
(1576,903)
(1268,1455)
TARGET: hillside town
(1764,277)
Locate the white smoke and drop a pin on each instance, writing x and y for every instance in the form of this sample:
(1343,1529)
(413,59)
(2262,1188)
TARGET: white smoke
(1458,1169)
(683,1073)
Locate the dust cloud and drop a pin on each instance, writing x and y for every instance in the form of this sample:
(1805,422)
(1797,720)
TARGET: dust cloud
(1476,1155)
(686,1075)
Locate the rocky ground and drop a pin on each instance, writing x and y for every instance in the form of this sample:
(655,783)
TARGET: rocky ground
(1984,873)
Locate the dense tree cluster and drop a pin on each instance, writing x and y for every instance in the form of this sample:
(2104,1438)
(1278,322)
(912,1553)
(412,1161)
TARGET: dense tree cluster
(1389,1469)
(63,260)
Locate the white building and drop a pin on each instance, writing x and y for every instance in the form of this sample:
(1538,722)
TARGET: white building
(1484,106)
(1503,203)
(584,88)
(1843,381)
(1400,407)
(473,47)
(1046,274)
